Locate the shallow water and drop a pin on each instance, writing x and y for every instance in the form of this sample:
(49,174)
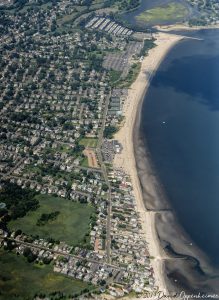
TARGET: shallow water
(180,121)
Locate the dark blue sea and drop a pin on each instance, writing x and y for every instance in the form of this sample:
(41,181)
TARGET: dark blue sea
(180,121)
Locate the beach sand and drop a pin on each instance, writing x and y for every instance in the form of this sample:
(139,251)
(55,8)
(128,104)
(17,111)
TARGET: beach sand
(183,27)
(126,160)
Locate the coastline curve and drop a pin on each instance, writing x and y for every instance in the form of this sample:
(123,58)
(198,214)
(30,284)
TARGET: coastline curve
(127,160)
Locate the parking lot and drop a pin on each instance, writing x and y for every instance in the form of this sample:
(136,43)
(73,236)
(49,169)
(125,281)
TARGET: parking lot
(121,61)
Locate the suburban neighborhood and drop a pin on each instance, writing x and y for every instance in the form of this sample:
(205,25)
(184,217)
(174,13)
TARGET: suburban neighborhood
(66,211)
(62,97)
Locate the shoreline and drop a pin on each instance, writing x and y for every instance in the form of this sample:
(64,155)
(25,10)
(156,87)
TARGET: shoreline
(168,243)
(127,161)
(169,28)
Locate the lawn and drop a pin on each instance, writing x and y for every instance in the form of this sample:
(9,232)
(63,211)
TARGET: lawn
(89,142)
(169,12)
(131,77)
(85,163)
(18,277)
(114,76)
(70,226)
(68,18)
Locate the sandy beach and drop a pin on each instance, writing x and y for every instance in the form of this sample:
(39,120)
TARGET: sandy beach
(183,27)
(126,160)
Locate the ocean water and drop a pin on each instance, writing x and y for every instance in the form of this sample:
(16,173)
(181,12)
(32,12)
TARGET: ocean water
(180,121)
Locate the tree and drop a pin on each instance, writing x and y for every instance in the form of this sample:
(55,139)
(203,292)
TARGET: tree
(46,260)
(102,282)
(110,131)
(105,187)
(27,252)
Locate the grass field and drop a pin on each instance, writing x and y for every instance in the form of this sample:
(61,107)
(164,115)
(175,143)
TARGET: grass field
(18,277)
(68,18)
(84,163)
(70,226)
(89,142)
(131,77)
(170,12)
(114,76)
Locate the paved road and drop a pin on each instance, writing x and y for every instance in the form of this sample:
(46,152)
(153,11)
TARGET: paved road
(95,170)
(103,168)
(30,245)
(47,186)
(100,263)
